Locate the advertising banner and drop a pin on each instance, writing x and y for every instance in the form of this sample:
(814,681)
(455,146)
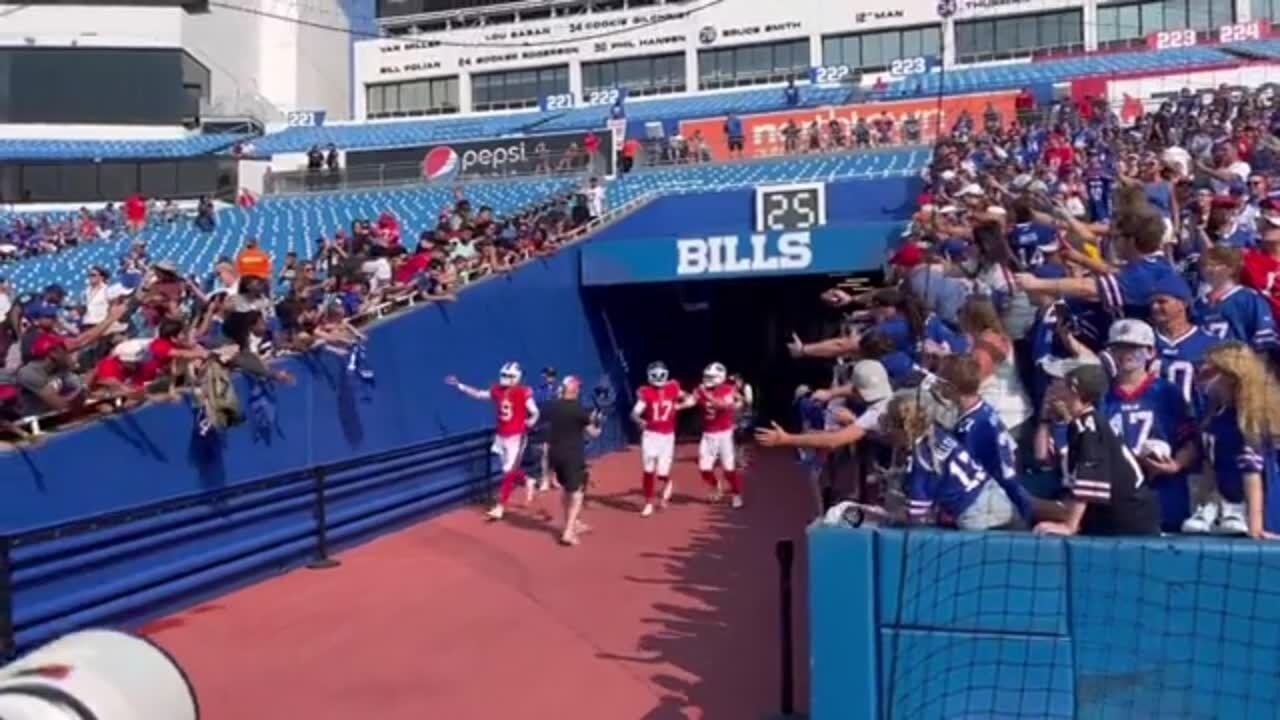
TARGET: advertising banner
(859,248)
(497,157)
(763,132)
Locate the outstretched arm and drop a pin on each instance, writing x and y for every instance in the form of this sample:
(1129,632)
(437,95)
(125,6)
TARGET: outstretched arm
(476,393)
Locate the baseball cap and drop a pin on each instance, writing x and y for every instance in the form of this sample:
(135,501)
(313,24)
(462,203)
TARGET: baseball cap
(970,189)
(1131,332)
(1089,382)
(132,351)
(871,381)
(1174,287)
(570,381)
(39,311)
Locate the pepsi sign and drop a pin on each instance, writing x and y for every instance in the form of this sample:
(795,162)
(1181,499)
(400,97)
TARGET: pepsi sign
(499,157)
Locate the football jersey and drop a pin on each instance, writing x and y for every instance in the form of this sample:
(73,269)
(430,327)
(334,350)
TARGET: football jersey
(987,441)
(1027,239)
(1260,273)
(512,406)
(1229,454)
(1098,197)
(1098,470)
(1155,410)
(941,474)
(1240,237)
(660,407)
(715,419)
(1180,358)
(1238,313)
(1127,293)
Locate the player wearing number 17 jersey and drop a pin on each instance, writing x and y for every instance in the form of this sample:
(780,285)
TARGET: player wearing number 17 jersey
(720,403)
(657,405)
(516,412)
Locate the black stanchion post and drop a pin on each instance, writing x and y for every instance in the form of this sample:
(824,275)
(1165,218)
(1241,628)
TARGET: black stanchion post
(7,645)
(322,560)
(786,552)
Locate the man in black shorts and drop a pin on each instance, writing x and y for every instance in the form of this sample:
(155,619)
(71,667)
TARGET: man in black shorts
(567,421)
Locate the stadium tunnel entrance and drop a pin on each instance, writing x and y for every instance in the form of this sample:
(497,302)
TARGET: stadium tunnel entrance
(743,323)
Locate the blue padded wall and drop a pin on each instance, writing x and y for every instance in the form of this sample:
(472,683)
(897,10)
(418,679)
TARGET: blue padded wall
(535,316)
(998,625)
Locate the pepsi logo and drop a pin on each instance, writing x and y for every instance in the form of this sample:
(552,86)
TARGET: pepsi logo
(440,163)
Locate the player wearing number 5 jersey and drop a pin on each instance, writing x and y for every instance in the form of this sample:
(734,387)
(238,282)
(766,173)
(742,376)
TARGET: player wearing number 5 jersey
(657,405)
(720,403)
(516,412)
(1151,417)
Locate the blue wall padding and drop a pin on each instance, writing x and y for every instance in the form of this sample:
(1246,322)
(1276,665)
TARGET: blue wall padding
(1016,626)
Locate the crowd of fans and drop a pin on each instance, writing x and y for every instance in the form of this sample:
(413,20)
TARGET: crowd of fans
(143,328)
(1080,335)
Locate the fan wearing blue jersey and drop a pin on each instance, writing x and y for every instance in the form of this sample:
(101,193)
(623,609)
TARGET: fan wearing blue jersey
(1150,415)
(977,426)
(1097,186)
(1027,238)
(941,477)
(1244,402)
(1124,291)
(1180,345)
(1231,311)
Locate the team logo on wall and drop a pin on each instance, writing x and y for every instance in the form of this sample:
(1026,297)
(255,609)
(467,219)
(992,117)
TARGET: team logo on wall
(707,35)
(440,163)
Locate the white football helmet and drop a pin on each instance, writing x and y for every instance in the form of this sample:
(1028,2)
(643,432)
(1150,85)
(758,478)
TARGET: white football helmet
(510,374)
(658,373)
(713,375)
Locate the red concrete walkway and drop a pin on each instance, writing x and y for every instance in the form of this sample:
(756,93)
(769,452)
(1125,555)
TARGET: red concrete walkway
(673,616)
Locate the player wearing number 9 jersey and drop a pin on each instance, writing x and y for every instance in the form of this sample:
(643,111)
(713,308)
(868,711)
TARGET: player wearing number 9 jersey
(657,405)
(516,412)
(1151,417)
(719,402)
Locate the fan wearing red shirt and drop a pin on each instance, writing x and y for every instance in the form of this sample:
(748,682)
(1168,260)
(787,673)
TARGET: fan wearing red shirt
(1262,266)
(516,412)
(163,350)
(719,403)
(118,372)
(657,405)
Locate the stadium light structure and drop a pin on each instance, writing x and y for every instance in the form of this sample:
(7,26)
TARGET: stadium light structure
(97,675)
(946,9)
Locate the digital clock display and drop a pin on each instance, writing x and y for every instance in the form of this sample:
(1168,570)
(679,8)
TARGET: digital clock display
(784,208)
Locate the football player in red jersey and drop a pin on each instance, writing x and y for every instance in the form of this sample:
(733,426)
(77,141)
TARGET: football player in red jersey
(516,413)
(1262,266)
(657,405)
(720,403)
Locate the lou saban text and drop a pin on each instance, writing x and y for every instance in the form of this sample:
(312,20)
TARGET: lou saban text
(733,254)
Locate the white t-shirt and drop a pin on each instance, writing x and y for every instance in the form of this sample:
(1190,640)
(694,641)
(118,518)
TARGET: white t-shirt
(1240,169)
(595,200)
(379,272)
(97,302)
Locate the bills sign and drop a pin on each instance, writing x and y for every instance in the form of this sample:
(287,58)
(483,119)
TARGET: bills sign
(498,157)
(856,248)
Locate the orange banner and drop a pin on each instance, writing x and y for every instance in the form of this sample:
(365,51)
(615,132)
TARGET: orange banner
(763,132)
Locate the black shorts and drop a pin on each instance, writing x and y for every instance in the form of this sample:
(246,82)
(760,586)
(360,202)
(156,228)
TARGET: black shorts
(571,473)
(735,143)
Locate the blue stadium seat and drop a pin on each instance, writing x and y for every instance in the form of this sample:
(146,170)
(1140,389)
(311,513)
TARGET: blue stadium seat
(455,128)
(51,149)
(282,224)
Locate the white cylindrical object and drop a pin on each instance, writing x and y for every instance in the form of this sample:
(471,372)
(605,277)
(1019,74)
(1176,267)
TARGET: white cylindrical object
(97,675)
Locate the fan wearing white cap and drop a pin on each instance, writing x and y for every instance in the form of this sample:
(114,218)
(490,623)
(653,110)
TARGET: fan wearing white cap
(119,372)
(720,403)
(516,412)
(1151,417)
(869,384)
(655,411)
